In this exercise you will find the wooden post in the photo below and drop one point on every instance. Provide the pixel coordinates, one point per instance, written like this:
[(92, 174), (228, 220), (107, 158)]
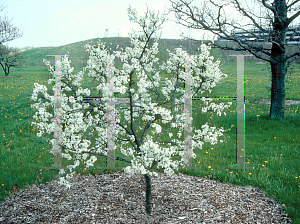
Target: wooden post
[(188, 147), (240, 149), (57, 113), (240, 144), (110, 112)]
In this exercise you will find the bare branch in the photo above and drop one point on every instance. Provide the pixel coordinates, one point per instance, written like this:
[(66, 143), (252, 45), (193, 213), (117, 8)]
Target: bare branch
[(293, 17), (293, 3), (269, 7), (253, 50), (248, 15), (7, 31), (293, 55)]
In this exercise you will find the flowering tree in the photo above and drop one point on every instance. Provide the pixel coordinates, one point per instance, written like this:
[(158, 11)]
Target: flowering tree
[(82, 120)]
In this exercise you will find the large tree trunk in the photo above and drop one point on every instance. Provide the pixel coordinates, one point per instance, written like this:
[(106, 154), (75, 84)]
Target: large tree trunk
[(278, 61), (277, 109), (148, 193)]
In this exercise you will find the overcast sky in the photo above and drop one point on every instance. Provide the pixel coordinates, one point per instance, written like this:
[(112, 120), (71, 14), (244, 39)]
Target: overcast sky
[(60, 22)]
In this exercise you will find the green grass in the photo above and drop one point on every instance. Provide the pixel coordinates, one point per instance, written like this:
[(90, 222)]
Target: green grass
[(272, 146)]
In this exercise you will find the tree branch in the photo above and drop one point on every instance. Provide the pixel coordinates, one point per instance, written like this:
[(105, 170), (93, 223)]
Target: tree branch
[(293, 55), (293, 17), (249, 16), (293, 3), (218, 28), (269, 7)]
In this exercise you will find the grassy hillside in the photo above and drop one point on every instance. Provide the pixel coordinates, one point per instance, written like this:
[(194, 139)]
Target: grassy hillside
[(34, 57)]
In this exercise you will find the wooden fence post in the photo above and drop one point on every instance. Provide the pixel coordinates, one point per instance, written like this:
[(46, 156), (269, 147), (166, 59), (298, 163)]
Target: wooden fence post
[(188, 146), (240, 148), (110, 112), (57, 113)]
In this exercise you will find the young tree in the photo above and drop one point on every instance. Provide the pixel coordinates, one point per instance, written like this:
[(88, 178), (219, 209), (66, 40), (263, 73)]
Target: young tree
[(10, 57), (137, 125), (272, 27)]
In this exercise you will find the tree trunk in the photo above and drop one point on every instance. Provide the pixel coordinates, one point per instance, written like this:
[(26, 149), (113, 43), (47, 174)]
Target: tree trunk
[(6, 70), (148, 194), (278, 60), (277, 109)]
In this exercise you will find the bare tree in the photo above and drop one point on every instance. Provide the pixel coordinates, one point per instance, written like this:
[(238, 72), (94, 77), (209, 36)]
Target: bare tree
[(271, 29), (7, 31), (9, 57)]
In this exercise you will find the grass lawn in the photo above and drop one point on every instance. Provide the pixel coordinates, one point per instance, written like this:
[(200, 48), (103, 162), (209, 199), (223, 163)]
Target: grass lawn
[(272, 146)]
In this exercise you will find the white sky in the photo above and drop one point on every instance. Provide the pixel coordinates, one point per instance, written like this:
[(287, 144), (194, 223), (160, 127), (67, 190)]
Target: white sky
[(60, 22)]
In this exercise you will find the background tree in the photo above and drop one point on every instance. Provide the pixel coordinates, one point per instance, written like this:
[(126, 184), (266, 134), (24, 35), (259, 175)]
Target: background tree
[(10, 57), (7, 31), (272, 23), (106, 32)]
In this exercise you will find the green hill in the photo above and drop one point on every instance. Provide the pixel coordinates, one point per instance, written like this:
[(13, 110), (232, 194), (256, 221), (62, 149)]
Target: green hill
[(79, 56)]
